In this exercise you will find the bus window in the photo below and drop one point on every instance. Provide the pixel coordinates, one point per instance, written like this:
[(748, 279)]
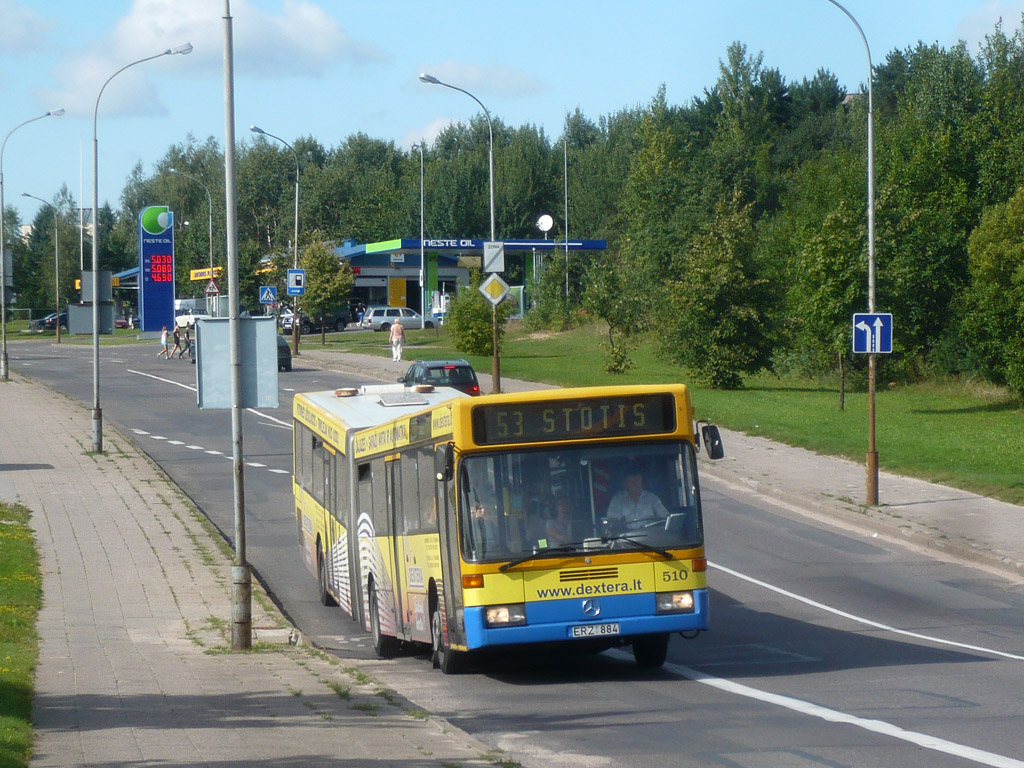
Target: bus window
[(591, 483)]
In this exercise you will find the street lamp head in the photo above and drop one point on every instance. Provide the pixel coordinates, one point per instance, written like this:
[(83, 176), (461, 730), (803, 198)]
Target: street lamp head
[(257, 129), (56, 112), (424, 77), (174, 170), (184, 50)]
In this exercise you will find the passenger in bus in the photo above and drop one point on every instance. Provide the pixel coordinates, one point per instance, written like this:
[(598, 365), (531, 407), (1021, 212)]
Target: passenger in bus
[(633, 507), (559, 527), (485, 531)]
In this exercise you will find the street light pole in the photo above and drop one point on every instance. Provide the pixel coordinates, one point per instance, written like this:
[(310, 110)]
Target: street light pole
[(495, 361), (4, 374), (97, 412), (209, 200), (296, 318), (871, 464), (423, 284), (56, 260)]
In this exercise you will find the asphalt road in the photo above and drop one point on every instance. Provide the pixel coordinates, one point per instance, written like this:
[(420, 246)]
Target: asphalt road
[(827, 648)]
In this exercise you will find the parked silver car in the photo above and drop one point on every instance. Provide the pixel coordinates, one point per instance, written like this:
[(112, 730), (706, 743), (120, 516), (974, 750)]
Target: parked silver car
[(382, 318)]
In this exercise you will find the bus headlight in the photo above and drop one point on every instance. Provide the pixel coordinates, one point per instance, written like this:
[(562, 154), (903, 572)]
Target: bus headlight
[(674, 602), (505, 615)]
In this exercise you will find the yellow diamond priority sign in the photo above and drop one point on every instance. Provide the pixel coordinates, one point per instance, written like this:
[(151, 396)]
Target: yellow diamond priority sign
[(494, 289)]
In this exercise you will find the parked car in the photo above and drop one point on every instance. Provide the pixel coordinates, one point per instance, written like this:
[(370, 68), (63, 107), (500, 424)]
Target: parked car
[(382, 318), (332, 321), (183, 321), (284, 354), (50, 322), (457, 374)]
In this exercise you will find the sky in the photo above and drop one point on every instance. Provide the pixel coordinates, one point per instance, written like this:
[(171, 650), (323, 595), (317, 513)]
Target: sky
[(332, 68)]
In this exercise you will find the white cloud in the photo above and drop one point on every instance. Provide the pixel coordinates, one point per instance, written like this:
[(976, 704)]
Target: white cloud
[(495, 80), (22, 29), (426, 134), (982, 21), (300, 41)]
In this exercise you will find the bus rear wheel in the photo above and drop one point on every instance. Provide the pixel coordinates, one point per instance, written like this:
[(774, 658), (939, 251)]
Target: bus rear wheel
[(321, 577), (443, 657), (650, 650), (384, 646)]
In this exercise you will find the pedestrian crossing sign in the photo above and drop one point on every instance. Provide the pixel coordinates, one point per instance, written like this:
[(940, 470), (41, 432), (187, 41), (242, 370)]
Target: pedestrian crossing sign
[(268, 294)]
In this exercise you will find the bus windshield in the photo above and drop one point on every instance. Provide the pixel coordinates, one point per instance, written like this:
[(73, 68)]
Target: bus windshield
[(570, 499)]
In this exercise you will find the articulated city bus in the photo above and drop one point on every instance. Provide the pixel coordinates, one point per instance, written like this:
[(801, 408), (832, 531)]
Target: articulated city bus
[(566, 516)]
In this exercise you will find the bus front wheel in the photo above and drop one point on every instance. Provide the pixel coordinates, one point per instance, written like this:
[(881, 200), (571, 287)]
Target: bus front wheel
[(650, 650), (383, 645), (443, 657)]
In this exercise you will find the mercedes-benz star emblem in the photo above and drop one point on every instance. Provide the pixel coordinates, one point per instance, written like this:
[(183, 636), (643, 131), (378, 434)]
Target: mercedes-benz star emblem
[(591, 608)]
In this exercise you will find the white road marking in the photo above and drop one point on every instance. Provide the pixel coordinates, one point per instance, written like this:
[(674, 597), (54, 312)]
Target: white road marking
[(140, 432), (175, 442), (834, 716), (254, 464), (253, 411), (861, 619), (216, 453), (195, 447), (158, 437), (280, 471)]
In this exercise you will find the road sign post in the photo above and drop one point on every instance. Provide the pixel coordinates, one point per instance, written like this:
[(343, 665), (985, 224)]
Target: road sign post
[(872, 335), (296, 288)]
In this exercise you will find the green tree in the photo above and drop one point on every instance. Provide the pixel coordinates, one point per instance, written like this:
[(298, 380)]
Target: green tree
[(717, 309), (993, 323), (608, 297), (470, 319), (328, 281)]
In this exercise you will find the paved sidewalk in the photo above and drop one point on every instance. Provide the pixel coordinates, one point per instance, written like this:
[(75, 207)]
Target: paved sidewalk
[(134, 665)]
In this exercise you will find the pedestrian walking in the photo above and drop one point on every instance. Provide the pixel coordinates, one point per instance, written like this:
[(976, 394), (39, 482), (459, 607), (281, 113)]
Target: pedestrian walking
[(397, 340), (164, 348), (187, 349), (177, 343)]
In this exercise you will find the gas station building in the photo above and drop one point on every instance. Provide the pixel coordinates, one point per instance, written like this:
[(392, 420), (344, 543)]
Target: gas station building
[(389, 272)]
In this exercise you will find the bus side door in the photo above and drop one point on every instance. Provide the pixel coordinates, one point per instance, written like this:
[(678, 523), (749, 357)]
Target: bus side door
[(396, 524)]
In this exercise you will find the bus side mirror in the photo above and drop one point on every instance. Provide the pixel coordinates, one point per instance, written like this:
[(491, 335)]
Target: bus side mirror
[(712, 441), (444, 462)]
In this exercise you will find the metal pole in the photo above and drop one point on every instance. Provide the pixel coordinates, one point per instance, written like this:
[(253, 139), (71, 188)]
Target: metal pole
[(495, 361), (871, 463), (209, 200), (4, 373), (296, 318), (97, 412), (565, 176), (423, 283), (296, 322), (241, 576)]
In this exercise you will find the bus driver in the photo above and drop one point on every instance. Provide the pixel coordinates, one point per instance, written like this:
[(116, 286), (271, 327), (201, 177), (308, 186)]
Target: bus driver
[(633, 507)]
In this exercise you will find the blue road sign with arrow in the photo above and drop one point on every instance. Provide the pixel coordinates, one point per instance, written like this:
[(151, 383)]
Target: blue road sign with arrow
[(872, 333)]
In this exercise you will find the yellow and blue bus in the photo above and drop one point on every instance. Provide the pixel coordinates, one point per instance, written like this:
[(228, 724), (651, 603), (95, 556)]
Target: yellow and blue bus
[(555, 516)]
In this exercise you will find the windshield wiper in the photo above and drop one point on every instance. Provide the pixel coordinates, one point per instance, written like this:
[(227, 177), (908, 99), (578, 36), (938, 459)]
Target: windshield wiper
[(641, 544), (572, 547)]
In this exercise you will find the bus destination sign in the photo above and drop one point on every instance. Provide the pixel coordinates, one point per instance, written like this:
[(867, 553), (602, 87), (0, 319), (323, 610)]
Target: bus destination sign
[(622, 416)]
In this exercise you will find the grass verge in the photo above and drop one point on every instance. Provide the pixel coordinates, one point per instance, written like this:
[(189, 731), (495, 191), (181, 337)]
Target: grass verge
[(952, 432), (20, 600)]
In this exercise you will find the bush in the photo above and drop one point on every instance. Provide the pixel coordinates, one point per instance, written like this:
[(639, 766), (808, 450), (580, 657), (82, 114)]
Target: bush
[(470, 320)]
